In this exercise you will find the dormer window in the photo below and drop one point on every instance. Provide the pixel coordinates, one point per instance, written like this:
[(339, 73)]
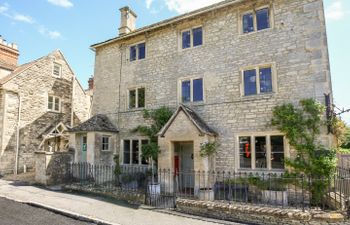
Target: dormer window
[(57, 70), (138, 52)]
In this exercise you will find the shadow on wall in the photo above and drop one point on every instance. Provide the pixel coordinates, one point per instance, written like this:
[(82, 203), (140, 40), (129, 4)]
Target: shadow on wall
[(31, 137)]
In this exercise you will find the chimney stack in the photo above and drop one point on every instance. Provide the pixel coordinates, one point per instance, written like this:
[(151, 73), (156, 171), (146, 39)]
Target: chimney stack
[(91, 83), (8, 55), (127, 21)]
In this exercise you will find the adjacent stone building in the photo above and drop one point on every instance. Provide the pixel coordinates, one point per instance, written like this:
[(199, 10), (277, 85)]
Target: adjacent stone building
[(39, 101), (227, 65)]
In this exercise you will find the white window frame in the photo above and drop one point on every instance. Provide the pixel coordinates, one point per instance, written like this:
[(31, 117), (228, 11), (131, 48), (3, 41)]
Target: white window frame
[(268, 136), (137, 51), (60, 70), (131, 149), (108, 144), (191, 93), (190, 29), (136, 89), (255, 22), (54, 103), (257, 69)]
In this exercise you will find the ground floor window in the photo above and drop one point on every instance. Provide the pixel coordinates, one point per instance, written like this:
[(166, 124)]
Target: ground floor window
[(261, 152), (132, 154), (105, 143)]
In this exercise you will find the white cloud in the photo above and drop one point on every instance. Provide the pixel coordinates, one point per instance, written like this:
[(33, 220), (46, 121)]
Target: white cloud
[(54, 34), (4, 8), (23, 18), (182, 6), (149, 3), (51, 34), (62, 3), (336, 11)]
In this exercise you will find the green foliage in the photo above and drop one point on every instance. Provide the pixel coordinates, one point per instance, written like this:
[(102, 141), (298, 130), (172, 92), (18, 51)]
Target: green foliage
[(271, 183), (346, 139), (117, 169), (302, 126), (157, 119), (209, 148)]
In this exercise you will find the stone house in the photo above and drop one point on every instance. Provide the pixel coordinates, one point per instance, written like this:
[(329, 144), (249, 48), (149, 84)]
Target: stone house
[(222, 69), (39, 101)]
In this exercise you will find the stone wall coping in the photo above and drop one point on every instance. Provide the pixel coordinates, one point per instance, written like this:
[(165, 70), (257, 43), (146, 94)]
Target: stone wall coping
[(52, 153), (289, 213)]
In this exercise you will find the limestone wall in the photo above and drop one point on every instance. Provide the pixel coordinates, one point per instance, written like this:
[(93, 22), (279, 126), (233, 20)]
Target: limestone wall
[(296, 47), (82, 104), (33, 86)]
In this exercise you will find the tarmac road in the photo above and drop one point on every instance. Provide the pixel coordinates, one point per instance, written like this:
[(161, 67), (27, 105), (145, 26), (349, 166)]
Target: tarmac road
[(14, 213)]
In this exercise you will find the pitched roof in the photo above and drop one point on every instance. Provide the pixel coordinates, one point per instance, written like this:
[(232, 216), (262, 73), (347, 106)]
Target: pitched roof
[(20, 69), (193, 117), (98, 122), (169, 21)]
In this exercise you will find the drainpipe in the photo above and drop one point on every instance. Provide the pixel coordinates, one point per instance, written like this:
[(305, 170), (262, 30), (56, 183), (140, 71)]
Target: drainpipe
[(72, 105), (17, 132)]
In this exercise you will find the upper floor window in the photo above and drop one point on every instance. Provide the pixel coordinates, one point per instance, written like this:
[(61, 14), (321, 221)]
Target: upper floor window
[(57, 70), (257, 20), (136, 98), (261, 152), (138, 51), (105, 143), (257, 81), (132, 152), (192, 90), (54, 104), (192, 38)]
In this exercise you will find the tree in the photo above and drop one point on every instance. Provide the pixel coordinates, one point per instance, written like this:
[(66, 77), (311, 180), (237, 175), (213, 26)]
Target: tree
[(157, 119), (301, 125), (346, 138)]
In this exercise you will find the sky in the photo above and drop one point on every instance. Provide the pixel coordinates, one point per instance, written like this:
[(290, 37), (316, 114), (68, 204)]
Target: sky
[(41, 26)]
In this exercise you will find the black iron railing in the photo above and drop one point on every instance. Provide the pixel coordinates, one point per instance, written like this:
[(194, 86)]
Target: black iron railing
[(261, 188)]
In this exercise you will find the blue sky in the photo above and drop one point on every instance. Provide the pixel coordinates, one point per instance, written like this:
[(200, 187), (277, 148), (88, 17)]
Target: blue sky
[(41, 26)]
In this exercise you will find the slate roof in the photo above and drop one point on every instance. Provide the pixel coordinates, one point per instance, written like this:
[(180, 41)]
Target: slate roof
[(99, 123), (170, 21), (193, 117)]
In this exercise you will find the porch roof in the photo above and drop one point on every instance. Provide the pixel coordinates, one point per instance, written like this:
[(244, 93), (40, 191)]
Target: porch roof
[(99, 123), (193, 117)]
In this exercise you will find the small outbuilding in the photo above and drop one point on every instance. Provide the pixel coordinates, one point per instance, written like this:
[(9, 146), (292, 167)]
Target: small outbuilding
[(94, 140)]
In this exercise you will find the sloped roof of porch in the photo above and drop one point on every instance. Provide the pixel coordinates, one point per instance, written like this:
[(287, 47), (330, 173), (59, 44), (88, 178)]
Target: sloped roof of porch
[(99, 123), (197, 121)]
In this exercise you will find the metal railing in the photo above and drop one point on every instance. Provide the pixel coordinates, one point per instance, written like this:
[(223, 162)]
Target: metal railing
[(268, 189)]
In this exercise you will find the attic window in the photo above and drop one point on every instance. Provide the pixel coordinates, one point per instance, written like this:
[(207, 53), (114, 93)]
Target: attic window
[(57, 70)]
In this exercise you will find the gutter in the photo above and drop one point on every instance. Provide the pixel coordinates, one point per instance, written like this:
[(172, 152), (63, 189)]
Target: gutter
[(168, 22)]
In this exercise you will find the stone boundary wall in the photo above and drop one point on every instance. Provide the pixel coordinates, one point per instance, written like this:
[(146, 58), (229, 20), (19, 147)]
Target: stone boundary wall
[(258, 214), (129, 196), (51, 167)]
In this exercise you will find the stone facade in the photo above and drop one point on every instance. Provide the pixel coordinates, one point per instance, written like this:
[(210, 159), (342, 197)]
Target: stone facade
[(295, 46), (26, 121)]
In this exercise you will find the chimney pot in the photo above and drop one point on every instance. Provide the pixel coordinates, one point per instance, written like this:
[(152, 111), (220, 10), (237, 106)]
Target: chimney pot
[(91, 83), (127, 21)]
